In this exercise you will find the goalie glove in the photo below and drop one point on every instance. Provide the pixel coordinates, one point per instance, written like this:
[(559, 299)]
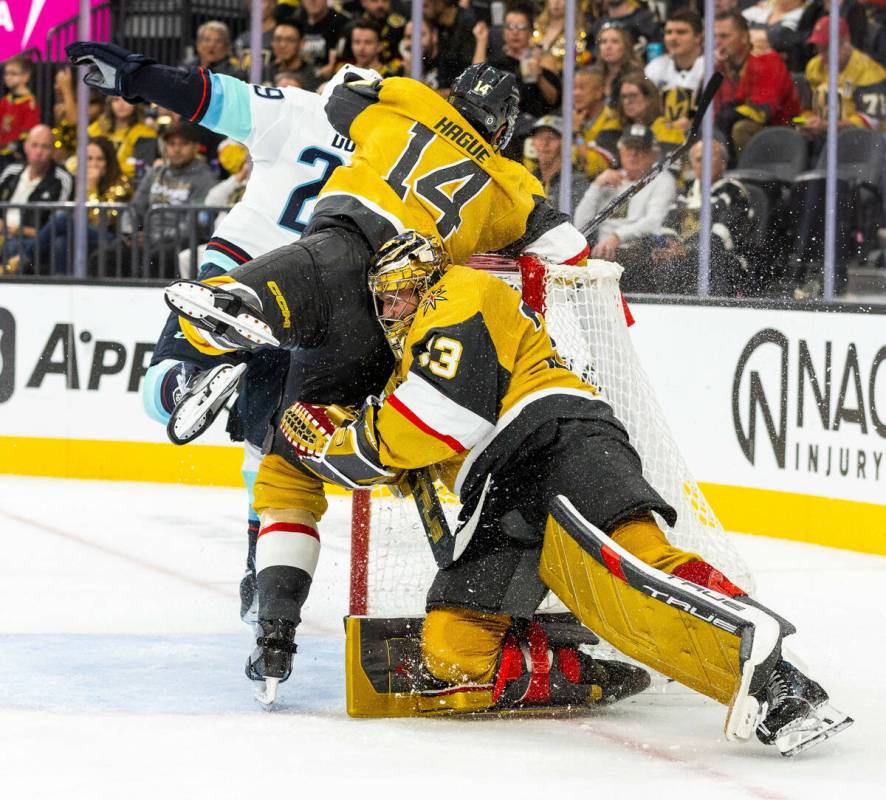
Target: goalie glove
[(109, 66), (336, 446)]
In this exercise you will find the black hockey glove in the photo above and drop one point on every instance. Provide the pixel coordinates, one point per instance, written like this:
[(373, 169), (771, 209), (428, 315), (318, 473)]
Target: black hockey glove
[(109, 66)]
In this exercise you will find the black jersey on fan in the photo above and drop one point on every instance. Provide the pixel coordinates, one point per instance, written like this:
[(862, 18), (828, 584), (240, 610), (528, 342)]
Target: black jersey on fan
[(532, 101), (321, 37)]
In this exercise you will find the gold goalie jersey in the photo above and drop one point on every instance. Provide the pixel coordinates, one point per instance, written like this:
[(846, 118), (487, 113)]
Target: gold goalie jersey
[(479, 374), (418, 164)]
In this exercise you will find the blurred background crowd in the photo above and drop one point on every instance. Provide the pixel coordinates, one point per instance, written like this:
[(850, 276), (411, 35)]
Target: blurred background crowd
[(156, 185)]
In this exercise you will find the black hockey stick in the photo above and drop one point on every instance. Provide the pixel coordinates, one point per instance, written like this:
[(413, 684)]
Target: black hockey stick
[(430, 512), (656, 169)]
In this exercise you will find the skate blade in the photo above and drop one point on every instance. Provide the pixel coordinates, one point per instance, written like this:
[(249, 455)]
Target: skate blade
[(828, 721), (266, 692), (194, 301), (196, 413)]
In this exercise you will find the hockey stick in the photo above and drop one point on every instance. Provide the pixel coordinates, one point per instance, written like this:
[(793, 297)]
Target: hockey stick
[(430, 512), (446, 545), (656, 169)]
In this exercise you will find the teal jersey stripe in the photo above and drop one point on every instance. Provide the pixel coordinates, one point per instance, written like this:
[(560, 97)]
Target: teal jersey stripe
[(229, 109), (218, 259), (151, 386)]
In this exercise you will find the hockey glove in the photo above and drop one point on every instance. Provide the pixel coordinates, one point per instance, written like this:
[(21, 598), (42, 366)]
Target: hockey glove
[(110, 66), (336, 447)]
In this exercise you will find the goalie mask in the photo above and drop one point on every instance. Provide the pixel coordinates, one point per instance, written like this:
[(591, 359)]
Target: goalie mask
[(403, 269)]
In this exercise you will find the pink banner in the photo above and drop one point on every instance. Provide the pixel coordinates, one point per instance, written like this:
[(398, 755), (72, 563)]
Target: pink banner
[(26, 23)]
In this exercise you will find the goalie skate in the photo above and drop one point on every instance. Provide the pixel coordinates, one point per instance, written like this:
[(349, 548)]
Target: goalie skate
[(202, 400), (228, 315), (796, 712)]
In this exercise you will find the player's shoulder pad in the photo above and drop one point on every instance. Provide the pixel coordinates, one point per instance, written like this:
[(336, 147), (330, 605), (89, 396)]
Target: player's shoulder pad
[(348, 101)]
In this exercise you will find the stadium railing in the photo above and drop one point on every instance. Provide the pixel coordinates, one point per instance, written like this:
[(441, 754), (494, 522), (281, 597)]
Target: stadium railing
[(162, 245)]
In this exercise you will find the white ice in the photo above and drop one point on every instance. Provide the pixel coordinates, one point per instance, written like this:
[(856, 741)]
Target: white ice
[(121, 658)]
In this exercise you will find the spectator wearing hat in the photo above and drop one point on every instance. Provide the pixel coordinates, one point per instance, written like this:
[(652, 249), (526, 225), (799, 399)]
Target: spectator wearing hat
[(182, 179), (624, 236), (757, 89), (861, 84), (547, 141), (862, 30)]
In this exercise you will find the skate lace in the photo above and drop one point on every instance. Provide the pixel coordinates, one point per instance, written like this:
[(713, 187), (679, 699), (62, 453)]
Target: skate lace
[(779, 689)]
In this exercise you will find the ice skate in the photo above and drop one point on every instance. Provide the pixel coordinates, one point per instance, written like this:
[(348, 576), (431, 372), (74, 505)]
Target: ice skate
[(229, 316), (203, 397), (537, 672), (796, 713), (616, 679), (271, 662)]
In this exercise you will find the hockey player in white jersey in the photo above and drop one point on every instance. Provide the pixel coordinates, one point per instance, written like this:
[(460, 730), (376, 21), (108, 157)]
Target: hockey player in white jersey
[(294, 150)]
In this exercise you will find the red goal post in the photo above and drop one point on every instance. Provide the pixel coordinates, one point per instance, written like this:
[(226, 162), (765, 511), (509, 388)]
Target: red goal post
[(391, 563)]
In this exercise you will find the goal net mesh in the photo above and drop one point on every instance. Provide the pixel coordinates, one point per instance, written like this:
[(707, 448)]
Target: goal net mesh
[(586, 319)]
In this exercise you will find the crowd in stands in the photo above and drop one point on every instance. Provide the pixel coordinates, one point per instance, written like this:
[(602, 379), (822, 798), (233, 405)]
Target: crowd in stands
[(639, 69)]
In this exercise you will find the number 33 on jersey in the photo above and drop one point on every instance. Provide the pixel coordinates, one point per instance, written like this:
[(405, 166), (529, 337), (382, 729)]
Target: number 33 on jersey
[(474, 353)]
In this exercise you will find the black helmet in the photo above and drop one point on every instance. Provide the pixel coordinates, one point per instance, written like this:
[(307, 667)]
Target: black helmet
[(487, 97)]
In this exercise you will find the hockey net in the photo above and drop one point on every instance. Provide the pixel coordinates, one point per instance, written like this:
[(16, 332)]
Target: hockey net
[(391, 562)]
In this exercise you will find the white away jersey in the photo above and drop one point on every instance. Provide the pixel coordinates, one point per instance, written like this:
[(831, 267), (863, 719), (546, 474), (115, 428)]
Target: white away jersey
[(678, 87), (294, 151)]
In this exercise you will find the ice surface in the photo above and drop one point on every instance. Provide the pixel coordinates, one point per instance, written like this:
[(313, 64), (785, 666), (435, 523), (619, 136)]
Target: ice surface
[(121, 658)]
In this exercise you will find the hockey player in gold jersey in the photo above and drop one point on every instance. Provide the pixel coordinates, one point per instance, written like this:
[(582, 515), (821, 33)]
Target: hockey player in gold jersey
[(480, 394), (419, 163)]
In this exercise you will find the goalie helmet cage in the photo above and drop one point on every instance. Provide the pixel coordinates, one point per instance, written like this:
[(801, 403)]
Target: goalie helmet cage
[(391, 563)]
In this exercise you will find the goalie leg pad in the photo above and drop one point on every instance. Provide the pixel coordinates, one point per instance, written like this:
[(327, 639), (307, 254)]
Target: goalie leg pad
[(714, 644), (385, 676), (541, 666), (645, 540)]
